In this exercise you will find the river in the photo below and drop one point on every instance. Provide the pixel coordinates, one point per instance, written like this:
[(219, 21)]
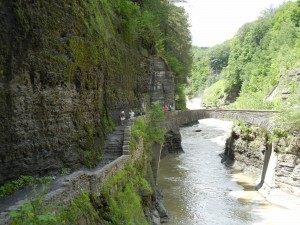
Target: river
[(199, 190)]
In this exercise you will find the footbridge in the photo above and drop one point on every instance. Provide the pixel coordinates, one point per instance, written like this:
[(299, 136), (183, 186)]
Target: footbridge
[(260, 118)]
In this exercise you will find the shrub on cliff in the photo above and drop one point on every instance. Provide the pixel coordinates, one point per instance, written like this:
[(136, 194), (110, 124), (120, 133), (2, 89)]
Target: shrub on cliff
[(148, 128)]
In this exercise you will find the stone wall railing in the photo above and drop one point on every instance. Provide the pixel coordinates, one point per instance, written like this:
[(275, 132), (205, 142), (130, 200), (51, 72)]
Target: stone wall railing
[(126, 142), (259, 118), (84, 181)]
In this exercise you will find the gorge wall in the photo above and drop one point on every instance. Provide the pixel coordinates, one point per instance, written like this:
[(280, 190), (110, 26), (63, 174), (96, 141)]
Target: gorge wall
[(60, 77), (246, 150), (98, 185), (66, 71)]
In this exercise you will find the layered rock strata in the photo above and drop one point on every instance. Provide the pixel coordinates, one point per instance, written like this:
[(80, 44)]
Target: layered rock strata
[(248, 154)]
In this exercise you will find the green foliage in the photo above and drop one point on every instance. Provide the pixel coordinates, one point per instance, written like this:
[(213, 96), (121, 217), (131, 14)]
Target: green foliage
[(250, 133), (218, 57), (251, 102), (289, 118), (80, 209), (215, 94), (180, 97), (125, 204), (175, 45), (277, 134), (126, 207), (130, 19), (90, 158), (254, 60), (120, 203), (28, 215), (149, 27), (207, 67), (255, 144), (65, 171), (91, 152), (265, 49), (245, 129), (148, 128), (199, 73), (10, 187), (296, 15), (35, 212), (175, 64), (154, 17)]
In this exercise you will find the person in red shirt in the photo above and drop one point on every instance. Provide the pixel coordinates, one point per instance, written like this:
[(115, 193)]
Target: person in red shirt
[(166, 109)]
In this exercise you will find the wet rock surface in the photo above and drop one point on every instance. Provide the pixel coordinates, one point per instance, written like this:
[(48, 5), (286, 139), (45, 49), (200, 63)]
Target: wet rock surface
[(172, 144), (248, 156)]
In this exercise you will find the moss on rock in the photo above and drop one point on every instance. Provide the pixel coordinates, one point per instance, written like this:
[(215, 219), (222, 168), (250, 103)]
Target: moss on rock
[(64, 66)]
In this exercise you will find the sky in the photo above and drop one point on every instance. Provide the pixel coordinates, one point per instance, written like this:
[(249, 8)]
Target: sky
[(215, 21)]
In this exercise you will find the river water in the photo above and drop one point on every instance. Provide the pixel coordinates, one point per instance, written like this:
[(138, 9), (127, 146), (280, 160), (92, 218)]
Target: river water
[(199, 190)]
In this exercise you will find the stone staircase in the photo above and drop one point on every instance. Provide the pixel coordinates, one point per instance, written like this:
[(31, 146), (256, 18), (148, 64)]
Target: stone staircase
[(114, 143), (117, 143)]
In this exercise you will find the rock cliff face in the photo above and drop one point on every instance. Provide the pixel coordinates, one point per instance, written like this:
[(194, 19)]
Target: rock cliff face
[(248, 154), (287, 173), (162, 88), (244, 155), (172, 143), (66, 71)]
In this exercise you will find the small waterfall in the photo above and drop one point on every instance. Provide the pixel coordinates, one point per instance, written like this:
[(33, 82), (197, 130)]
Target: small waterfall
[(194, 103)]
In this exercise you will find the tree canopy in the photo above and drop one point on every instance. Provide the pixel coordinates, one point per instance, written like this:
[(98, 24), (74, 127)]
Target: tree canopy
[(165, 27), (252, 63)]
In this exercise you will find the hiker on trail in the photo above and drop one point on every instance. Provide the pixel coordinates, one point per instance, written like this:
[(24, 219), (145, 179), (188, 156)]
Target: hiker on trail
[(166, 108), (131, 114), (122, 117)]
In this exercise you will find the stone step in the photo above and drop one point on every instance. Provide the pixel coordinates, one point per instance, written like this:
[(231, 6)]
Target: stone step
[(126, 142), (111, 155), (116, 137), (110, 158), (115, 142), (118, 132), (114, 148), (114, 145), (114, 156)]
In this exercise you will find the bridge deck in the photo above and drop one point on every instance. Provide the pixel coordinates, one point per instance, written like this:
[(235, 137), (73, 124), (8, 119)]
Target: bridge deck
[(261, 118)]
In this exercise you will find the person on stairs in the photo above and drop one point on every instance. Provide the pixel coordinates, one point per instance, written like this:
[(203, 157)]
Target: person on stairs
[(131, 114), (122, 118)]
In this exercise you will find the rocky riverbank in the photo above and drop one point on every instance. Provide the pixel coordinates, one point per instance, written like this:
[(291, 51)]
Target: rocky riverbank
[(245, 150)]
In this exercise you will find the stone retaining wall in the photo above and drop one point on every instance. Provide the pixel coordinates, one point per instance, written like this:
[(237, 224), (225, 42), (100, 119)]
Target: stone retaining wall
[(82, 181)]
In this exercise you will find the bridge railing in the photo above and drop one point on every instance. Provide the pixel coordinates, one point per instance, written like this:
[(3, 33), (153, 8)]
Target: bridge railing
[(261, 118)]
